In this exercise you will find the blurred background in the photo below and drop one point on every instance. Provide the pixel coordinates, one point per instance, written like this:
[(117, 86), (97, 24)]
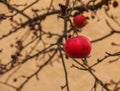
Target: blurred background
[(51, 77)]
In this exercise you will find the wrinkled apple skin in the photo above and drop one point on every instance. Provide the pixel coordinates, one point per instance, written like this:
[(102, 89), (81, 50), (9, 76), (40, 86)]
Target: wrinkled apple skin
[(79, 21), (77, 47)]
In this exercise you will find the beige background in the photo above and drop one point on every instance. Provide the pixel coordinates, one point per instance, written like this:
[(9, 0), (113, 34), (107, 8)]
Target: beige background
[(52, 77)]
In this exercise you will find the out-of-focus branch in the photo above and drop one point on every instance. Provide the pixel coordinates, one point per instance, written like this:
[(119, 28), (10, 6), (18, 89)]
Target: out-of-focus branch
[(37, 71), (65, 70), (50, 49), (91, 72), (106, 36), (113, 31)]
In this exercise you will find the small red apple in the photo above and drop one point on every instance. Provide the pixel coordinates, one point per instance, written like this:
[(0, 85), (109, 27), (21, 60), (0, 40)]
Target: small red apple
[(79, 21), (77, 47)]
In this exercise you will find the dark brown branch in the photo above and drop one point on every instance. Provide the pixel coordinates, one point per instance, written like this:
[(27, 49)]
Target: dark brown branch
[(106, 36), (105, 57), (35, 27), (48, 14), (26, 59), (65, 70), (95, 77), (36, 72), (4, 83), (12, 8)]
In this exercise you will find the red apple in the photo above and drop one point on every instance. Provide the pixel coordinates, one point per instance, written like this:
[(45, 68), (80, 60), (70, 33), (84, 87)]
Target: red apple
[(77, 47), (79, 21)]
